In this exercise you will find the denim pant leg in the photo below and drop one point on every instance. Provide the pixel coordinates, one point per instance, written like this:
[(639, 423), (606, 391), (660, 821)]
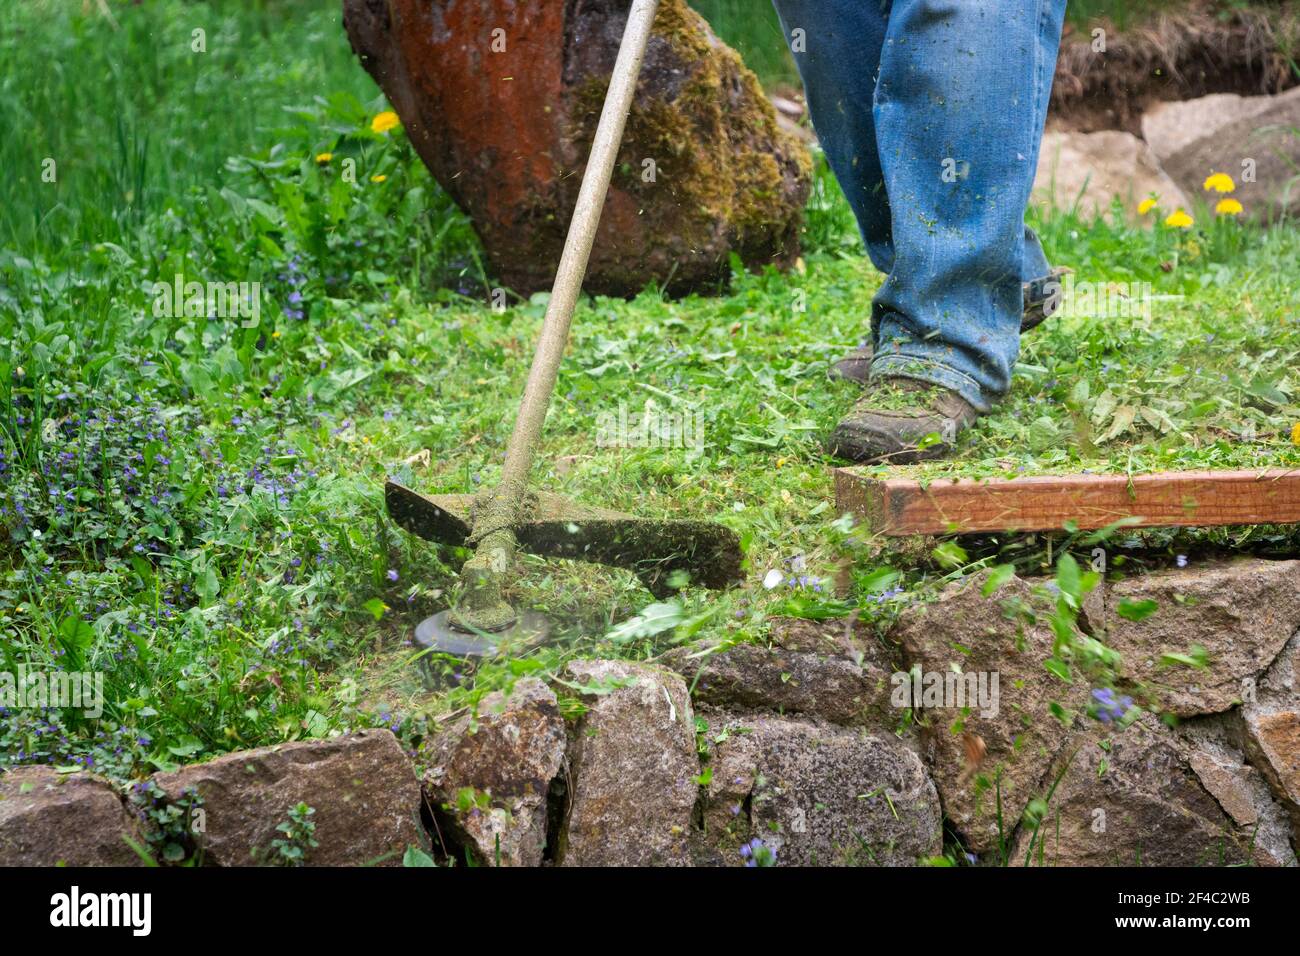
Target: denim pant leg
[(958, 123), (836, 46), (1036, 265)]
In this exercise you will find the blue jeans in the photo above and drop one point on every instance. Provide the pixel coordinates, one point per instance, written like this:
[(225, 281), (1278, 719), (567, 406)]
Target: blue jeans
[(931, 113)]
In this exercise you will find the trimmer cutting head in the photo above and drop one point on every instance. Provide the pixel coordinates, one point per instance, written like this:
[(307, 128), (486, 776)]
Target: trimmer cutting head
[(443, 635), (552, 526)]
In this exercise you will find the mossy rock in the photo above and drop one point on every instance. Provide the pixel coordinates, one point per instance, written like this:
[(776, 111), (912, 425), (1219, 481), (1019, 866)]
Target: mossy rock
[(501, 101)]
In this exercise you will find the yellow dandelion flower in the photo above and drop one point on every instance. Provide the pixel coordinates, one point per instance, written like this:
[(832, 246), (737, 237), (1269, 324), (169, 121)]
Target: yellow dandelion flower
[(324, 158), (1220, 183), (1179, 220), (1295, 434), (385, 121), (1147, 205), (378, 179), (1229, 207)]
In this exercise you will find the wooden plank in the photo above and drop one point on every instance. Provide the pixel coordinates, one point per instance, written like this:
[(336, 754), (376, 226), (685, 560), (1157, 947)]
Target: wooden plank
[(901, 506)]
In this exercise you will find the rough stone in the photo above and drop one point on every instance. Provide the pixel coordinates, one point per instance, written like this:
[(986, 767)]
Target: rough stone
[(362, 786), (1256, 128), (1274, 742), (832, 669), (500, 100), (1133, 797), (1092, 169), (49, 818), (1229, 784), (816, 793), (633, 767), (1171, 126), (1267, 727), (1242, 612), (508, 752), (1217, 757), (733, 769), (978, 635)]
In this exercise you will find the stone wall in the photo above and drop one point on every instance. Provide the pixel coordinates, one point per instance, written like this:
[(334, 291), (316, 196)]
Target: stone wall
[(799, 751)]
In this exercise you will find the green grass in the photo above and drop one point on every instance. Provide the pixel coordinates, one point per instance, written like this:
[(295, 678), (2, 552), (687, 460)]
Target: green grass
[(752, 29), (195, 509)]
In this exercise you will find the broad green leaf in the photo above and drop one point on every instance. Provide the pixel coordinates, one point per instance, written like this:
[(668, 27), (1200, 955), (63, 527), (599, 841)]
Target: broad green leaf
[(998, 577), (414, 856), (1132, 610)]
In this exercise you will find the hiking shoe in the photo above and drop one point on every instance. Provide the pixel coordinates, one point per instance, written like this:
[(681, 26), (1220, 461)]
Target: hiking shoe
[(900, 421), (1042, 299)]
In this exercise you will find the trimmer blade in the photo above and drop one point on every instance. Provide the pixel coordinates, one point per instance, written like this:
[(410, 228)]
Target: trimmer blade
[(554, 526)]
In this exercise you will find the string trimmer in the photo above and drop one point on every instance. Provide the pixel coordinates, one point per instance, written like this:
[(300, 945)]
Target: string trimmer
[(500, 522)]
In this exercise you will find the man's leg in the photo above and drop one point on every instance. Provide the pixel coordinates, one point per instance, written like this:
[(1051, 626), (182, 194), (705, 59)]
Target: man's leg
[(1036, 266), (836, 45), (838, 61), (958, 116)]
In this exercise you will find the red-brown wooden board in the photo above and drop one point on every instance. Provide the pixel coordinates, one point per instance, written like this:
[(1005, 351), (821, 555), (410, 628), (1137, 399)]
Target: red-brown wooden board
[(901, 506)]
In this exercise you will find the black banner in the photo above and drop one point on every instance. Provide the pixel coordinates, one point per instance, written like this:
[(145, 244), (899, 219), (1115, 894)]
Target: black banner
[(144, 905)]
